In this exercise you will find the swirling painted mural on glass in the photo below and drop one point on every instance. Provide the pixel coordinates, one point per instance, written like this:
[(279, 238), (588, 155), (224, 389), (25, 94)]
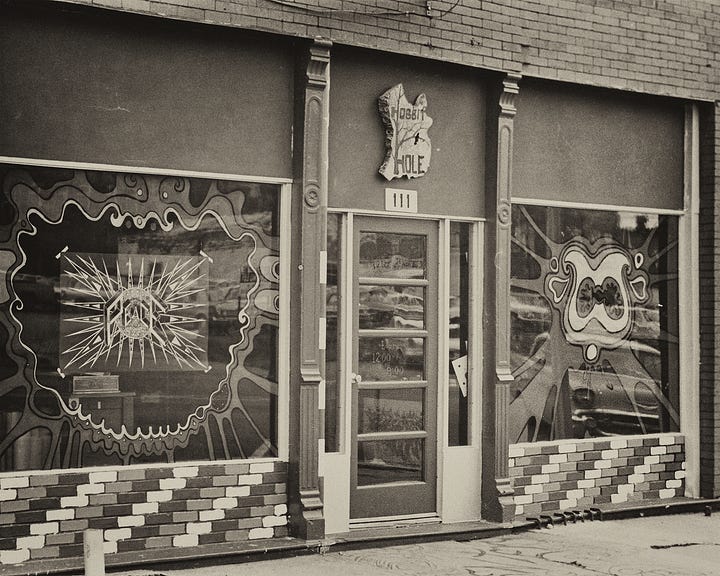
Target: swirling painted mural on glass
[(138, 319), (594, 323)]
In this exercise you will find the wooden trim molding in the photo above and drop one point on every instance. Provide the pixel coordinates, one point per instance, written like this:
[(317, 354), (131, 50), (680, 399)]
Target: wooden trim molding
[(311, 524), (503, 371)]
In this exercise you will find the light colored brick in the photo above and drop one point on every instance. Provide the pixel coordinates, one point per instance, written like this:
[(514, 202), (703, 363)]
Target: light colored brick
[(60, 514), (6, 495), (209, 515), (110, 547), (667, 493), (159, 496), (280, 509), (237, 491), (224, 503), (172, 483), (271, 521), (145, 508), (103, 476), (14, 556), (30, 542), (257, 533), (185, 540), (18, 482), (185, 472), (198, 528), (45, 528), (262, 467), (115, 534), (74, 501), (250, 479), (125, 521), (86, 489)]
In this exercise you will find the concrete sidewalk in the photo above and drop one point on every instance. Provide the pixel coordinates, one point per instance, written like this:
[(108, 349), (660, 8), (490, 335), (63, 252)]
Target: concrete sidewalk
[(684, 545)]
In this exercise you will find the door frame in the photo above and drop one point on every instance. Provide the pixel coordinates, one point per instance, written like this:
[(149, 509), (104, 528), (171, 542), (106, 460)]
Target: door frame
[(458, 496)]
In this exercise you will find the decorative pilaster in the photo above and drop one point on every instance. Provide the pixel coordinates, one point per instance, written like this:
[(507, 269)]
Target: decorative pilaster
[(503, 372), (311, 525)]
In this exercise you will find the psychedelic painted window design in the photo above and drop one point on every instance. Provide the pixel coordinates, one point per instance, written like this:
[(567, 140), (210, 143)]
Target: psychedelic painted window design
[(594, 323), (138, 319)]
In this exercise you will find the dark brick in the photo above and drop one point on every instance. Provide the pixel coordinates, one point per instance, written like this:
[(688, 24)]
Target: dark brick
[(173, 506), (247, 501), (211, 470), (7, 543), (102, 523), (145, 485), (131, 498), (16, 530), (145, 531), (592, 455), (71, 550), (160, 518), (200, 482), (262, 489), (211, 538), (74, 478), (118, 510), (61, 490), (273, 477), (130, 545), (35, 517), (531, 470), (157, 473), (237, 513), (550, 505), (188, 493), (224, 525), (44, 503)]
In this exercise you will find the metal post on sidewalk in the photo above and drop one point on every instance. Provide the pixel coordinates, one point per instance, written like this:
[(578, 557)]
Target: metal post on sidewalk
[(93, 552)]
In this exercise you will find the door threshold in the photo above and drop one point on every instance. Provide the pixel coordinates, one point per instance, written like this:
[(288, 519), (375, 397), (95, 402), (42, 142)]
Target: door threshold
[(394, 521)]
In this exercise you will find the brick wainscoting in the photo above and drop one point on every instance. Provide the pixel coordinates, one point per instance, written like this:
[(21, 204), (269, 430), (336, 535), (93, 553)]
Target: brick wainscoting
[(577, 474), (43, 515)]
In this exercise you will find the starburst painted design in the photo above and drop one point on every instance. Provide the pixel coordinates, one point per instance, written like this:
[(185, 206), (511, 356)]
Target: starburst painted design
[(145, 308)]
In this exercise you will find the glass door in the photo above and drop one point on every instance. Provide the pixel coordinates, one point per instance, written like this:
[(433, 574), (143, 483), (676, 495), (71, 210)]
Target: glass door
[(394, 372)]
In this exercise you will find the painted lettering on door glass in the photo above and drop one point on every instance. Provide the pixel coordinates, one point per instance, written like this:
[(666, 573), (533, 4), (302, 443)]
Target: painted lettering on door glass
[(388, 255), (384, 461), (391, 307), (139, 319), (391, 358), (594, 323)]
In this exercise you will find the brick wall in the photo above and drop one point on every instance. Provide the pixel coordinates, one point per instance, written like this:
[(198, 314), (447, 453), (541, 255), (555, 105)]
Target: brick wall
[(578, 474), (656, 46), (42, 516)]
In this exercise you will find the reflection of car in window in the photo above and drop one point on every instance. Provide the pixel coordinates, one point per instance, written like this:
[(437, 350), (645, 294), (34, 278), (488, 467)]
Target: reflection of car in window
[(605, 401)]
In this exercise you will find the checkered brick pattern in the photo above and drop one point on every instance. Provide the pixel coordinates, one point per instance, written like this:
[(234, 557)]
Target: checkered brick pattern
[(44, 515), (663, 47), (577, 474)]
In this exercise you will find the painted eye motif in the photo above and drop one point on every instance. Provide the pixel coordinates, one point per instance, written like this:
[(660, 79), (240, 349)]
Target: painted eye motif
[(612, 298), (585, 298)]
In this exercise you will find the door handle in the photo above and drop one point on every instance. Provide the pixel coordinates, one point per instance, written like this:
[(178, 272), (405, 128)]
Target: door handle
[(355, 378)]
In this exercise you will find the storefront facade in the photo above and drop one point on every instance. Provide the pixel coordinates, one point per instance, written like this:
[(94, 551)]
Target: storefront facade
[(258, 285)]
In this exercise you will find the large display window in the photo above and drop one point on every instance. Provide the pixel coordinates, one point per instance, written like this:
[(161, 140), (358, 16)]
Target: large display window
[(594, 323), (139, 318)]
